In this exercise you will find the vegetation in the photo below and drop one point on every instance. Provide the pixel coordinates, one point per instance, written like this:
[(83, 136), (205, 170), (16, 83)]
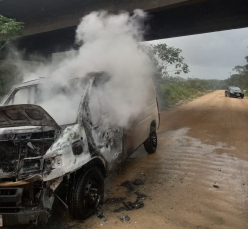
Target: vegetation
[(241, 78), (172, 89), (176, 91), (168, 61), (9, 29)]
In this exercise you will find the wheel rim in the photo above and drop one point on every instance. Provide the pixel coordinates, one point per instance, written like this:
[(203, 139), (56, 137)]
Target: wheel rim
[(153, 138), (91, 195)]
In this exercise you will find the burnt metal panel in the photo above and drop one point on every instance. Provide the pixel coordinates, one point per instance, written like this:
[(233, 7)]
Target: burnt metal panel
[(21, 115)]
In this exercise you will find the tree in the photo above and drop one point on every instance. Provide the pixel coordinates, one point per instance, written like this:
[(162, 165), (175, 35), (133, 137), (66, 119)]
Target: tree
[(240, 79), (242, 70), (169, 64), (9, 29), (168, 60)]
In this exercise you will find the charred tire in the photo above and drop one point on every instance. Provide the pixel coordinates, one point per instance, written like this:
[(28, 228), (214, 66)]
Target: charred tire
[(87, 194), (151, 142)]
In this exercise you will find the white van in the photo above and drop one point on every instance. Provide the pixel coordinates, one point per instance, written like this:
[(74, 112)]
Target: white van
[(38, 155)]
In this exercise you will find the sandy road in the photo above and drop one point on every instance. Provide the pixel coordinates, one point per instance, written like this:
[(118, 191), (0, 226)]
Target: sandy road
[(201, 144)]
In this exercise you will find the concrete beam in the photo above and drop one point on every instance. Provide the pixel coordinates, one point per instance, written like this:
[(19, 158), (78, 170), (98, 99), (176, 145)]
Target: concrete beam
[(179, 19), (49, 16), (203, 17)]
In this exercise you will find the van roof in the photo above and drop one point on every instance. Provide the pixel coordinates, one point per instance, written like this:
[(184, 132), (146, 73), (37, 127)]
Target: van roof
[(46, 79), (32, 82)]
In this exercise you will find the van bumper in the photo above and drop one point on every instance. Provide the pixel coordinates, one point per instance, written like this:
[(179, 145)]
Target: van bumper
[(24, 217)]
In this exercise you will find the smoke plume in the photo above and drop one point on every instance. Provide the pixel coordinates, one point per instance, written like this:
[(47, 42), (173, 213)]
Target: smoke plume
[(108, 43)]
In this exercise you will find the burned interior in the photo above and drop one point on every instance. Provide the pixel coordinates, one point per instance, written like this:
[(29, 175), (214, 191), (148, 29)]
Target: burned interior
[(17, 149)]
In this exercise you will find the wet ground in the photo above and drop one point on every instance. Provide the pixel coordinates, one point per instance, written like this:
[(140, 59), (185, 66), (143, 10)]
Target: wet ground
[(197, 179)]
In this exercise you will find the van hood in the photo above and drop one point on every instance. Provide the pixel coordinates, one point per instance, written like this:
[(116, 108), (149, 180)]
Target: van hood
[(25, 115)]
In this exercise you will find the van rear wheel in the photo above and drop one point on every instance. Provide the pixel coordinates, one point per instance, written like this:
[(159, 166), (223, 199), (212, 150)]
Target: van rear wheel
[(87, 194), (151, 142)]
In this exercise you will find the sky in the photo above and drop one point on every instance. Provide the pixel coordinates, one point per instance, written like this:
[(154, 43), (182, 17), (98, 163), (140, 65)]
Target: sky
[(212, 55)]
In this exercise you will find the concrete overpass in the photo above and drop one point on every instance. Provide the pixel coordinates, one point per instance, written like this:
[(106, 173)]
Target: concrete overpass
[(50, 24)]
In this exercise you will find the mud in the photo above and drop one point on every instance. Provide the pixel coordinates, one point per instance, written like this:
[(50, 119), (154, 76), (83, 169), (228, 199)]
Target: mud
[(128, 205), (137, 182), (115, 200), (133, 205), (125, 218), (130, 185), (140, 196), (100, 215), (121, 209)]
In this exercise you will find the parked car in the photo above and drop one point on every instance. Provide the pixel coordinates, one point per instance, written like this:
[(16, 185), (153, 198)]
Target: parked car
[(38, 156), (232, 91)]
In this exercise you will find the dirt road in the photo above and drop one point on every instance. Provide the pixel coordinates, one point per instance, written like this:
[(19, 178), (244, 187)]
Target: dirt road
[(198, 178)]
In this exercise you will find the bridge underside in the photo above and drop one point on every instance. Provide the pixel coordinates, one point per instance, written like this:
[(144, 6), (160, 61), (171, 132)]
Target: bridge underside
[(180, 20)]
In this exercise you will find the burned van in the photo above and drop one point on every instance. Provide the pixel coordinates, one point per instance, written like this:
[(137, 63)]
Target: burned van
[(39, 153)]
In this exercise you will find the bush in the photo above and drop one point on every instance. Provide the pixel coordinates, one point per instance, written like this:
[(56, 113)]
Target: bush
[(174, 91)]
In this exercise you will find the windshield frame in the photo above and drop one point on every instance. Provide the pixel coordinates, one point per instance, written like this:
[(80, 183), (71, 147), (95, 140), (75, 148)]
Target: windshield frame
[(13, 92)]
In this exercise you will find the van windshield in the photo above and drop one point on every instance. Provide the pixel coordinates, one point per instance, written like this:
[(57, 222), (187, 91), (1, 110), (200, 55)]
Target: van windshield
[(61, 100)]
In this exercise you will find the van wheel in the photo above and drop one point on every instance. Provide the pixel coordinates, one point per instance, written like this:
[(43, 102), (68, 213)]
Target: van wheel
[(151, 142), (87, 194)]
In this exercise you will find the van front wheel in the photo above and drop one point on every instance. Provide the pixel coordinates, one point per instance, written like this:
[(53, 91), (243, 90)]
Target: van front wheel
[(87, 194), (151, 142)]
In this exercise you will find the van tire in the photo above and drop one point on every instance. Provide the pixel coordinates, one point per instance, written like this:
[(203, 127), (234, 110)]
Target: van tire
[(87, 193), (151, 142)]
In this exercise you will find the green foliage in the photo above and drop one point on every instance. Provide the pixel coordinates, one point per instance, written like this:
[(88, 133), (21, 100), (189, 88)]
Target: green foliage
[(215, 84), (240, 79), (168, 60), (9, 29), (171, 89), (180, 90)]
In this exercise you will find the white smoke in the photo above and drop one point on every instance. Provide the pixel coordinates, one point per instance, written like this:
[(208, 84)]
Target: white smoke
[(108, 43)]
